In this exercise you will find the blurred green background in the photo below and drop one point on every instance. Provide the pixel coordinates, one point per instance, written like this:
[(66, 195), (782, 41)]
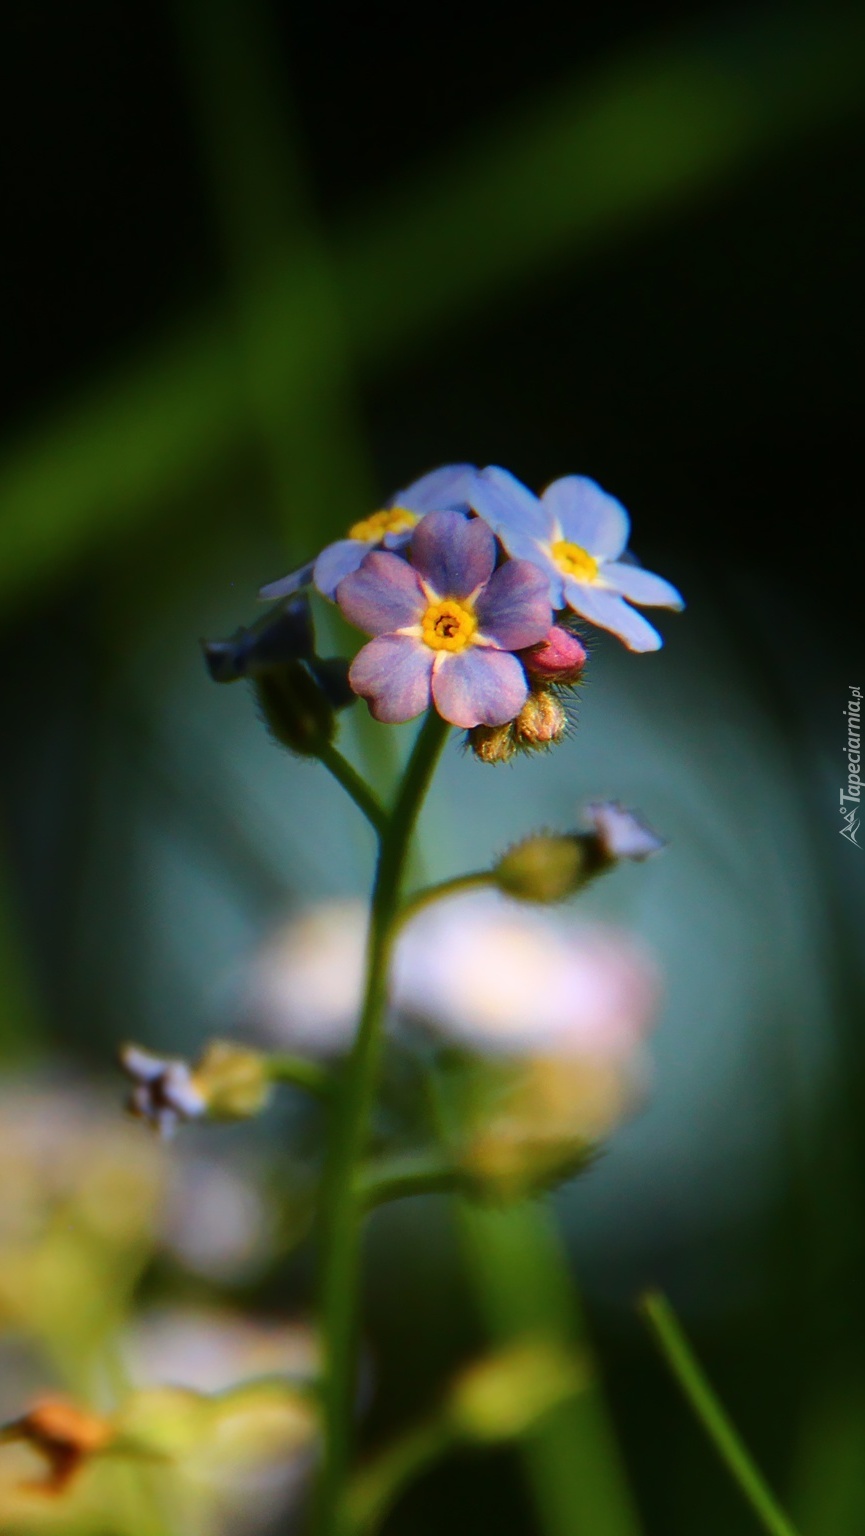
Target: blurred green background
[(269, 264)]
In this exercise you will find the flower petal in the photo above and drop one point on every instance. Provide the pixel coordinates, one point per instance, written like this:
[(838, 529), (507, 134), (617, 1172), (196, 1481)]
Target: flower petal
[(455, 554), (478, 687), (393, 674), (641, 586), (622, 833), (287, 584), (384, 594), (441, 490), (588, 516), (336, 561), (610, 611), (514, 608), (509, 506)]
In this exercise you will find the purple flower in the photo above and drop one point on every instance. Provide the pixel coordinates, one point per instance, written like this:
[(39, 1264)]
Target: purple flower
[(446, 622), (577, 534), (445, 489)]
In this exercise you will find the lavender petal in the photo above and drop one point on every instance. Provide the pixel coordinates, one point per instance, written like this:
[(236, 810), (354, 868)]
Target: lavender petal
[(383, 595), (514, 608), (478, 687), (448, 488), (393, 674), (453, 553)]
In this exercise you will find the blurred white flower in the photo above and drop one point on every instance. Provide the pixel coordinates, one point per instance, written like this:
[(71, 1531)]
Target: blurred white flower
[(497, 977), (212, 1349), (216, 1219), (306, 982), (481, 970)]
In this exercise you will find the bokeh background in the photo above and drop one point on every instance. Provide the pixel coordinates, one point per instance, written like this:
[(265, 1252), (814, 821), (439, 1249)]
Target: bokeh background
[(269, 263)]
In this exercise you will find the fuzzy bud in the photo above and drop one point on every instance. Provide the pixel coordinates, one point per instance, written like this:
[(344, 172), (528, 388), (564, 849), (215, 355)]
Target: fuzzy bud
[(543, 868), (541, 722), (296, 708), (233, 1081), (493, 743), (560, 658), (503, 1397), (285, 634), (228, 1082)]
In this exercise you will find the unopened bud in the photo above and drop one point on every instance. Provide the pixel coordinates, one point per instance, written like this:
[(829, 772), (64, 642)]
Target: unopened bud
[(543, 868), (502, 1398), (296, 708), (285, 634), (541, 722), (232, 1081), (493, 743), (559, 658), (228, 1082)]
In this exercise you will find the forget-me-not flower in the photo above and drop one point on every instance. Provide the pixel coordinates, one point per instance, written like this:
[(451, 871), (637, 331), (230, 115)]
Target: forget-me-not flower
[(577, 534), (447, 488), (446, 623)]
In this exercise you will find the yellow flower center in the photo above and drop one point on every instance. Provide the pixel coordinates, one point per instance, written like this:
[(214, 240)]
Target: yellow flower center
[(371, 529), (574, 560), (448, 625)]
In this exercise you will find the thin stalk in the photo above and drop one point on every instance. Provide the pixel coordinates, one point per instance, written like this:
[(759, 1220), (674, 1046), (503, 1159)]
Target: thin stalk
[(396, 1178), (351, 781), (377, 1487), (689, 1374), (300, 1073), (353, 1104), (432, 893)]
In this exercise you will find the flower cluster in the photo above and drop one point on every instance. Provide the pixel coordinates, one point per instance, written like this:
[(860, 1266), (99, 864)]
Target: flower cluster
[(470, 586)]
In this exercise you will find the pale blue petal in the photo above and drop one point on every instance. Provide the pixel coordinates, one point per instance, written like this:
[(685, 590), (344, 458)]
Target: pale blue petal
[(393, 674), (587, 516), (622, 833), (509, 506), (514, 608), (288, 584), (442, 490), (478, 687), (610, 611), (641, 586), (383, 595), (336, 561), (453, 553), (398, 540)]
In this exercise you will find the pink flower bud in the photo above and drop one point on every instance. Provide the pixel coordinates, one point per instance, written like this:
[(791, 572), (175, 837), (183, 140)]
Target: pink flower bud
[(559, 658)]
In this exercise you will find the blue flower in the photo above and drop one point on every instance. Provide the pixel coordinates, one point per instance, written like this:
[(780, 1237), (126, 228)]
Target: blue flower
[(577, 535), (445, 489), (445, 623)]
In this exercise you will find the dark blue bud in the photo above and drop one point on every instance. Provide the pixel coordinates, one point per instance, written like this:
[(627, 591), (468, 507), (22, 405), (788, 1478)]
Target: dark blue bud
[(284, 634), (331, 674)]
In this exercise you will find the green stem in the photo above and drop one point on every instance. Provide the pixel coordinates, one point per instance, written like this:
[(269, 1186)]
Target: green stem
[(353, 1103), (308, 1075), (396, 1178), (431, 893), (354, 785), (688, 1373), (379, 1485)]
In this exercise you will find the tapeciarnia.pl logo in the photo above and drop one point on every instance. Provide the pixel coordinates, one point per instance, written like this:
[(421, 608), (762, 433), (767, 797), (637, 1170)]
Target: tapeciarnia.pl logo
[(850, 817)]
